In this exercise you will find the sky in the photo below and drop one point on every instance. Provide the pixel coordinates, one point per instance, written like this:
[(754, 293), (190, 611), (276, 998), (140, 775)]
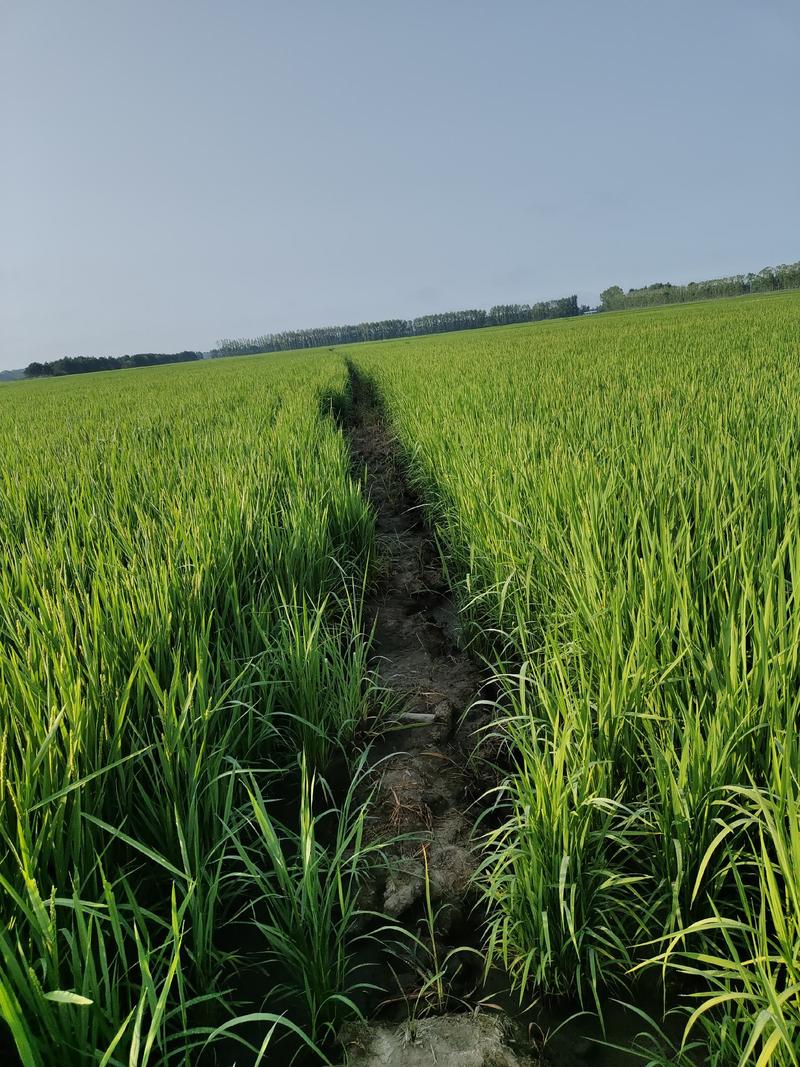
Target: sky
[(172, 173)]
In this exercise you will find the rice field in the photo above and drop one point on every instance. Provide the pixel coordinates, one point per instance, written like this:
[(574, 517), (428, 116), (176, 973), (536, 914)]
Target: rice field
[(184, 670), (617, 504), (181, 558)]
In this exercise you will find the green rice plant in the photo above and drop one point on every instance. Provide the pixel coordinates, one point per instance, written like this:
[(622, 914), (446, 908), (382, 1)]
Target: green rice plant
[(121, 988), (303, 890), (150, 524), (318, 669), (746, 951), (617, 501), (566, 903)]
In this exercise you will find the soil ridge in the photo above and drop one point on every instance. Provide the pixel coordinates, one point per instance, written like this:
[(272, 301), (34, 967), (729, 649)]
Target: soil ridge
[(425, 788), (425, 782)]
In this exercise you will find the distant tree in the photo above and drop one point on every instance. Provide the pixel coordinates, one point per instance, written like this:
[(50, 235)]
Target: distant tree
[(786, 276), (87, 364), (386, 329), (506, 314), (612, 298), (763, 282), (36, 370), (565, 307)]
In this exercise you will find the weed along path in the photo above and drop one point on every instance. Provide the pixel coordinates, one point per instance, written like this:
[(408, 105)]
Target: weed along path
[(423, 787)]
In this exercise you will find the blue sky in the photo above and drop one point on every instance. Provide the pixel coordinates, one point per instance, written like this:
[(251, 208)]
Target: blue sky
[(173, 173)]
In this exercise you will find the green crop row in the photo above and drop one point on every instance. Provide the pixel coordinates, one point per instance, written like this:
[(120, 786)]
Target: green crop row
[(182, 555), (618, 504)]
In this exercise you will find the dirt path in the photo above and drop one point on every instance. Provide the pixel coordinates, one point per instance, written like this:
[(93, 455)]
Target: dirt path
[(425, 784), (423, 789)]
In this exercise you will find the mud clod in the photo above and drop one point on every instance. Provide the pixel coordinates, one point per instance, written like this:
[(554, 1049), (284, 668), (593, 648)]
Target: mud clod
[(446, 1041)]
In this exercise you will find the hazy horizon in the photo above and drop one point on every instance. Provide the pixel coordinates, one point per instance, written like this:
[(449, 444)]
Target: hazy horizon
[(174, 175)]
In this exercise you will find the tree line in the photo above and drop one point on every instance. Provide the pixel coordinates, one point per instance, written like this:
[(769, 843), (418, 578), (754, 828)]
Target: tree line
[(770, 279), (388, 329), (785, 276), (86, 364)]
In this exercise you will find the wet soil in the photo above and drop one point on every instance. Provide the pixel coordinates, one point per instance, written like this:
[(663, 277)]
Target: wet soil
[(448, 1041), (423, 790)]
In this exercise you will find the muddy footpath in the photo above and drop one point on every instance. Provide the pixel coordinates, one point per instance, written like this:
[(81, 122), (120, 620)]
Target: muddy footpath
[(430, 781)]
